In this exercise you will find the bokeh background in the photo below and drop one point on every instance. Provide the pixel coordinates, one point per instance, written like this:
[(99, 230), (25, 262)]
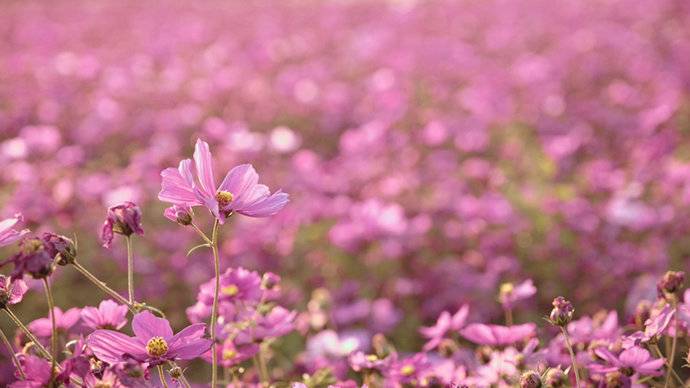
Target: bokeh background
[(432, 149)]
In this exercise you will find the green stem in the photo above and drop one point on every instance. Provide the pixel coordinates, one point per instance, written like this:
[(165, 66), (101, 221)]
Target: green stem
[(671, 370), (672, 356), (130, 270), (28, 333), (13, 356), (214, 310), (53, 323), (572, 356), (161, 374), (104, 287)]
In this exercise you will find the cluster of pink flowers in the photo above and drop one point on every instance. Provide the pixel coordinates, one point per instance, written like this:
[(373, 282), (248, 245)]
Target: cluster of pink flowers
[(452, 167)]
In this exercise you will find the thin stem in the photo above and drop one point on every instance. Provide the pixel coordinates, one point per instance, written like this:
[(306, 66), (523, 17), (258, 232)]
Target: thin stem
[(130, 270), (260, 369), (13, 356), (509, 316), (182, 377), (202, 234), (572, 356), (53, 324), (161, 374), (673, 372), (265, 378), (214, 310), (28, 333), (104, 287), (672, 356)]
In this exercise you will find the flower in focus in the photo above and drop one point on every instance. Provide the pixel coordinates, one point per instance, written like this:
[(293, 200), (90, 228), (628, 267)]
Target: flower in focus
[(494, 335), (108, 315), (444, 324), (153, 342), (124, 219), (510, 294), (63, 320), (11, 291), (8, 234), (239, 192)]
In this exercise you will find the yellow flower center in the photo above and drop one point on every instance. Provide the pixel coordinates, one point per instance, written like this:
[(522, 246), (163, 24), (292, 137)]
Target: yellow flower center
[(230, 290), (224, 198), (156, 347), (229, 354), (407, 370), (372, 357), (507, 288), (101, 384)]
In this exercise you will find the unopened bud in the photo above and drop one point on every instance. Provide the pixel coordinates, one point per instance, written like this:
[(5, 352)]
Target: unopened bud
[(555, 378), (562, 312), (671, 285), (175, 372)]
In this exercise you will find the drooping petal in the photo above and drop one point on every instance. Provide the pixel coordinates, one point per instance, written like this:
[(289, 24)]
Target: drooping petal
[(190, 349), (110, 346), (204, 167), (266, 207), (146, 325)]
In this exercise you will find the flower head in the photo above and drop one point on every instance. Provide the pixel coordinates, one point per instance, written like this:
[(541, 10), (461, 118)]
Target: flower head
[(153, 342), (530, 379), (60, 247), (34, 257), (630, 361), (239, 192), (444, 324), (108, 315), (670, 285), (64, 321), (509, 294), (8, 234), (11, 291), (124, 219)]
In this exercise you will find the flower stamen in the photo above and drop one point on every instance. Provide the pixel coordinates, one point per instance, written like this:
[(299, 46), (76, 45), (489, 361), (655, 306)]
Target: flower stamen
[(156, 347)]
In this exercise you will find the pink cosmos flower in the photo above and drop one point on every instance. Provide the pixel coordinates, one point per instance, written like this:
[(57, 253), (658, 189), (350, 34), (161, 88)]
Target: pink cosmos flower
[(11, 291), (64, 321), (124, 219), (108, 315), (511, 294), (498, 335), (239, 192), (153, 342), (8, 234), (635, 359), (444, 324)]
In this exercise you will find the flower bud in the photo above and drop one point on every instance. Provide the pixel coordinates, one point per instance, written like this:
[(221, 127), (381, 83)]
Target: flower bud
[(530, 379), (60, 247), (179, 214), (382, 348), (615, 380), (671, 285), (124, 219), (555, 378), (562, 312), (643, 312), (270, 281)]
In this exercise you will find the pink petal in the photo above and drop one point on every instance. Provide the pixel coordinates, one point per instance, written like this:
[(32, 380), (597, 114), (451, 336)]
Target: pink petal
[(110, 346), (204, 167), (146, 325)]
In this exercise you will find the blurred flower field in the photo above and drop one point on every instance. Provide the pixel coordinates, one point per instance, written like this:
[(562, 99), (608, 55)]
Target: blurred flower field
[(426, 178)]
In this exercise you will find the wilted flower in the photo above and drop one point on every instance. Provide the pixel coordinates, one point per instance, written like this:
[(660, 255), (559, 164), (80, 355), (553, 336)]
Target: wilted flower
[(124, 219), (60, 247), (34, 258), (239, 192), (11, 291), (108, 315), (153, 342), (562, 312), (670, 285), (8, 234)]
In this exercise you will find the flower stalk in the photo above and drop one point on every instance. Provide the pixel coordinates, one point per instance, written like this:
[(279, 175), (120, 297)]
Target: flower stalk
[(41, 349), (214, 309), (572, 355), (130, 270), (53, 324), (13, 356)]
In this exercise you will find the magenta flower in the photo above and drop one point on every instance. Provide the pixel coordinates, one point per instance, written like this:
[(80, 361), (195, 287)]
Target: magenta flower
[(153, 342), (64, 322), (498, 335), (11, 291), (236, 284), (511, 294), (632, 360), (239, 192), (35, 258), (444, 324), (108, 315), (8, 234), (36, 370), (124, 219)]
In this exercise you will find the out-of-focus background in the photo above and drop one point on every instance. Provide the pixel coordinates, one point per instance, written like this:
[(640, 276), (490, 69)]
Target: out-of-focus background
[(432, 149)]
